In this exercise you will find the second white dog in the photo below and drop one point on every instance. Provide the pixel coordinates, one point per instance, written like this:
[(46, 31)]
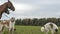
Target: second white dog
[(50, 26)]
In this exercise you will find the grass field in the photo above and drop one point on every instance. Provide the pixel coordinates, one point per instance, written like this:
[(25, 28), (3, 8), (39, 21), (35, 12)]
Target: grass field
[(28, 30)]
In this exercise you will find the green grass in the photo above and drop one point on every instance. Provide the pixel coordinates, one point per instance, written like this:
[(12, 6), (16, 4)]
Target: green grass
[(28, 30)]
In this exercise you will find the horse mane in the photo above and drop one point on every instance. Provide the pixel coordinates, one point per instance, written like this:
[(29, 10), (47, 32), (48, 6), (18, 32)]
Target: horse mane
[(3, 4), (3, 10)]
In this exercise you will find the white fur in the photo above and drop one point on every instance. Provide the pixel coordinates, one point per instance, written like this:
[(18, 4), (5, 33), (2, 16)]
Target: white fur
[(1, 28), (42, 29), (47, 28), (11, 26)]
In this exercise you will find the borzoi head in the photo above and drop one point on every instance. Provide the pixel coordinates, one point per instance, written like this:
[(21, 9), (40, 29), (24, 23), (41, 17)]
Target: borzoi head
[(42, 29), (12, 19)]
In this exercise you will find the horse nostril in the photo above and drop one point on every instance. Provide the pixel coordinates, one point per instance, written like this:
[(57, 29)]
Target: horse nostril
[(14, 9)]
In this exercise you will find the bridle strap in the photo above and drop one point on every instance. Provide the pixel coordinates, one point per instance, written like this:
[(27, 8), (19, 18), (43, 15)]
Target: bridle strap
[(7, 16)]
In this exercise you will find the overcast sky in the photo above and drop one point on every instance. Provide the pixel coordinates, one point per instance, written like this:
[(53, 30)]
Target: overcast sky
[(34, 9)]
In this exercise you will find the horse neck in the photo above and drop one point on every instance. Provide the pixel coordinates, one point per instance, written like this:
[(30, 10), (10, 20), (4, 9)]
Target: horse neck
[(3, 8)]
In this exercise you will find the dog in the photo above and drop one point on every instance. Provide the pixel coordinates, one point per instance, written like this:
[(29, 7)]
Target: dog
[(50, 26), (10, 24)]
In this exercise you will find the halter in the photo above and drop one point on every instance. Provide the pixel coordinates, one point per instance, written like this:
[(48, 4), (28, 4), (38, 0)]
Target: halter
[(7, 16)]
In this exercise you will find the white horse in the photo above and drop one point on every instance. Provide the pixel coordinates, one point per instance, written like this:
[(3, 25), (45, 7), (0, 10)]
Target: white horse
[(50, 26), (10, 24)]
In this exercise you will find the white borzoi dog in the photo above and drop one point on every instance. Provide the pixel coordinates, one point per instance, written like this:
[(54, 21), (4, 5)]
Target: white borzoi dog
[(50, 26), (8, 24)]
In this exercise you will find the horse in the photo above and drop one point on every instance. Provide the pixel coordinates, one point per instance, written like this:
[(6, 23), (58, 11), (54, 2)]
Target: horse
[(10, 24), (50, 26), (4, 8)]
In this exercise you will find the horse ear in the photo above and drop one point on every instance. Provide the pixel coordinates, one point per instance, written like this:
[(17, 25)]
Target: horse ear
[(8, 0)]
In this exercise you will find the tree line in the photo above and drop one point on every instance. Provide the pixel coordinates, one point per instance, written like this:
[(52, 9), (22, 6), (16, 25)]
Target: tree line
[(37, 22)]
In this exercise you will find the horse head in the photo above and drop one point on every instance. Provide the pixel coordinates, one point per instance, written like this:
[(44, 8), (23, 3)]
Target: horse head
[(4, 8), (10, 5)]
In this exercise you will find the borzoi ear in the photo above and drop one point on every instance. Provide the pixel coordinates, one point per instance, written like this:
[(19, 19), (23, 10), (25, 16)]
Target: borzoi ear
[(51, 25)]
